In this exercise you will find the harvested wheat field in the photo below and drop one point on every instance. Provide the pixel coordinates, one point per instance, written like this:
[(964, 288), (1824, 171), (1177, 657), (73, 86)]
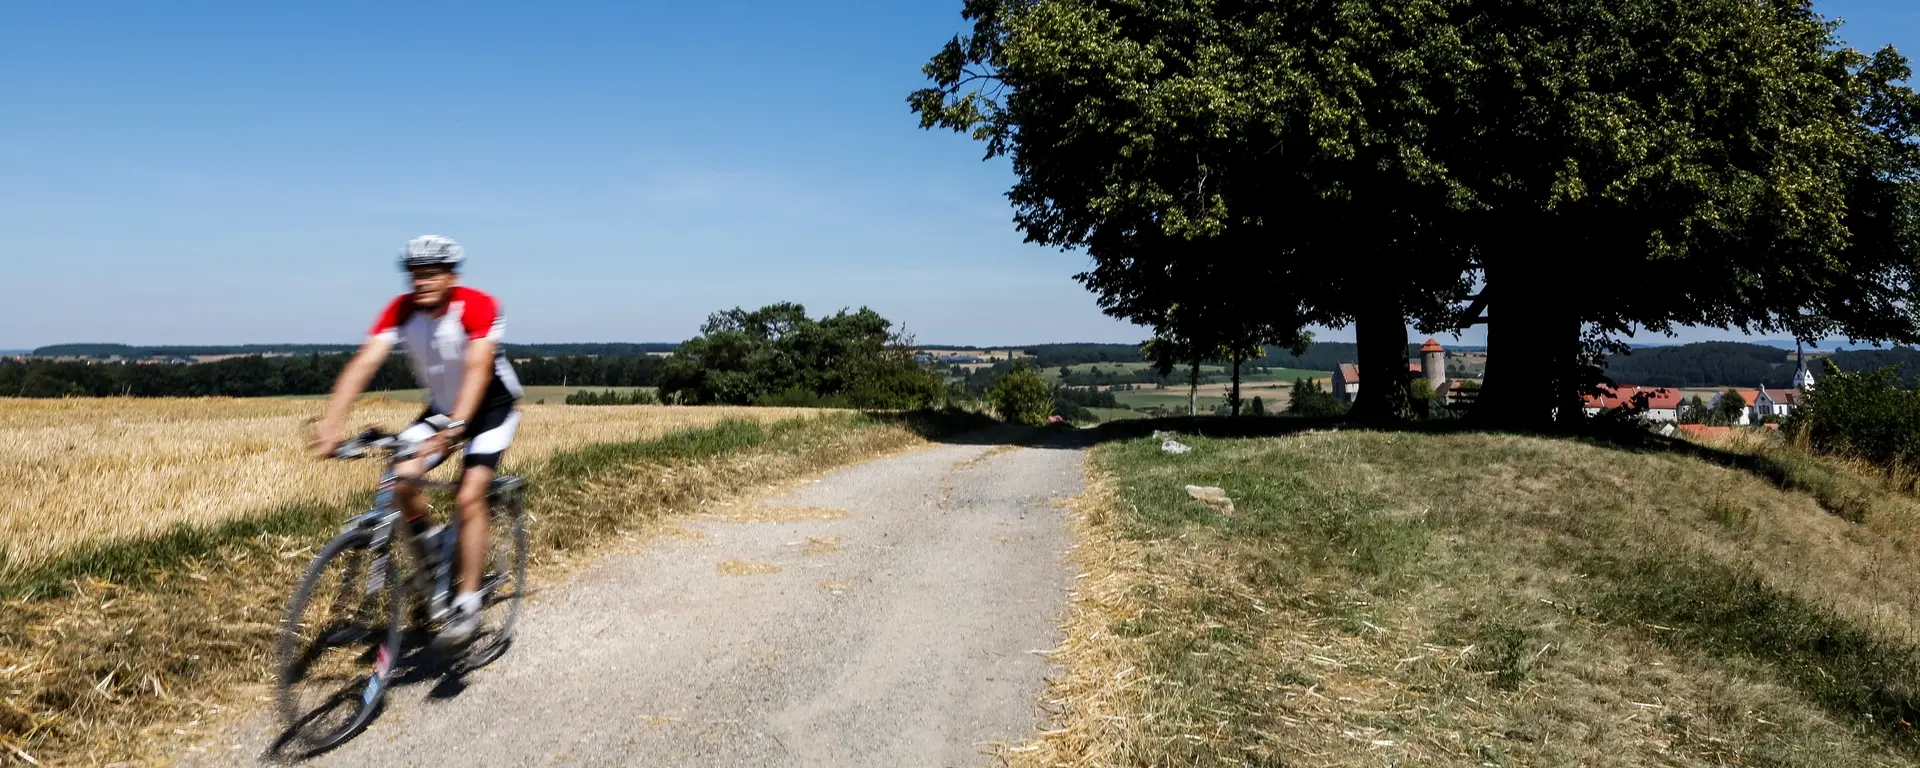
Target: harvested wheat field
[(115, 645), (86, 469)]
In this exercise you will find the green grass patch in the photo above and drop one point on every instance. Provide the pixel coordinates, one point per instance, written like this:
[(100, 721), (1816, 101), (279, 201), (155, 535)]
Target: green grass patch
[(1461, 598), (137, 562), (1169, 398)]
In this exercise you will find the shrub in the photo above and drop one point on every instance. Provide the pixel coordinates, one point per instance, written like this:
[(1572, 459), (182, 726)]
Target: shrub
[(1074, 412), (891, 381), (767, 355), (801, 398), (1022, 397), (1863, 415)]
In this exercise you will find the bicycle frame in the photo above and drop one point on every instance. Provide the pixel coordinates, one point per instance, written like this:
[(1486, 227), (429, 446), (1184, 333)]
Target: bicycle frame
[(379, 523)]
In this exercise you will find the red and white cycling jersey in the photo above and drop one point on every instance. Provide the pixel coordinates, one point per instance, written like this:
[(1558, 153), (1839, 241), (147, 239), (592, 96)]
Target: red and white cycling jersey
[(437, 346)]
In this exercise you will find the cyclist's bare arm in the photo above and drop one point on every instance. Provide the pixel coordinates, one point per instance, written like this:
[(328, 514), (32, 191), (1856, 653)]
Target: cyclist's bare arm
[(353, 381)]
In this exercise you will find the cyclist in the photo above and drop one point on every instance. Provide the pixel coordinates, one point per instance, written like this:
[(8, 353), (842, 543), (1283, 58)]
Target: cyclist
[(452, 338)]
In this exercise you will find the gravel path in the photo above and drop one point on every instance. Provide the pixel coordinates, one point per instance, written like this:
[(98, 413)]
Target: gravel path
[(901, 628)]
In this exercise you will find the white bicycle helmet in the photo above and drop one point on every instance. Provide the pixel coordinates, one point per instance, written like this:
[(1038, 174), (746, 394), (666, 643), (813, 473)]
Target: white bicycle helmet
[(427, 250)]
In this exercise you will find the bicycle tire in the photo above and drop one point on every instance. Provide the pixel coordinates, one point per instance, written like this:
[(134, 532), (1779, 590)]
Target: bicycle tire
[(506, 580), (375, 628)]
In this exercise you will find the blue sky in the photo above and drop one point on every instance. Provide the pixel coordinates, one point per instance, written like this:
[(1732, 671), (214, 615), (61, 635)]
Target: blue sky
[(197, 172)]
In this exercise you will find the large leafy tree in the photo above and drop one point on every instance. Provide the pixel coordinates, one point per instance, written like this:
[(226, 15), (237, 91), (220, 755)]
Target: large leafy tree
[(1605, 167), (1639, 164), (1260, 156)]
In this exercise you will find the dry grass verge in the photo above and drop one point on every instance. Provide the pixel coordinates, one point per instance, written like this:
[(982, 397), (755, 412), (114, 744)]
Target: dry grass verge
[(100, 671), (1475, 599)]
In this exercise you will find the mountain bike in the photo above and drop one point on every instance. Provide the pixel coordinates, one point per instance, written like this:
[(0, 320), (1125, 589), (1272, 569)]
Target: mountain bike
[(348, 618)]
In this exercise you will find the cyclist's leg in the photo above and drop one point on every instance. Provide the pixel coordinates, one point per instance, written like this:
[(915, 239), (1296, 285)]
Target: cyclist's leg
[(474, 519), (493, 432)]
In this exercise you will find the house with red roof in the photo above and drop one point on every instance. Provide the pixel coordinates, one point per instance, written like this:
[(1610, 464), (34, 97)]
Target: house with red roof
[(1748, 397), (1662, 404), (1346, 382)]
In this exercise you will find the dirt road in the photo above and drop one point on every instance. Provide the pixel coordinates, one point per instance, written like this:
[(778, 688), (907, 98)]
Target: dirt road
[(889, 614)]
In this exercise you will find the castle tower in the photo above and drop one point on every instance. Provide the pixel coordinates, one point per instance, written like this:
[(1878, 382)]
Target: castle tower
[(1433, 362), (1802, 378)]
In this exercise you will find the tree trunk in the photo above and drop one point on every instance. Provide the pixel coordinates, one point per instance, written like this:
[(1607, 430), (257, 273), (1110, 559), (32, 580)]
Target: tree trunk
[(1233, 400), (1380, 327), (1193, 390), (1532, 377)]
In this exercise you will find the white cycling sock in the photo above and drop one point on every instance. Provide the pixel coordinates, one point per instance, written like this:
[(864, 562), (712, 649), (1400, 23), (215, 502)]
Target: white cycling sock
[(468, 602)]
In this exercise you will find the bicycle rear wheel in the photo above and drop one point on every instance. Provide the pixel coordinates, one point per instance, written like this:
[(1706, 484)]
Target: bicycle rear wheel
[(504, 581), (338, 643)]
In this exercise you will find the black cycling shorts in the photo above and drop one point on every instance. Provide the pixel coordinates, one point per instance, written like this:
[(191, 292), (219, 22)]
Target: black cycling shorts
[(488, 435)]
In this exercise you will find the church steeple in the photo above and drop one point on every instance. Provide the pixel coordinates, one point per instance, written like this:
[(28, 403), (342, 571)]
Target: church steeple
[(1802, 378)]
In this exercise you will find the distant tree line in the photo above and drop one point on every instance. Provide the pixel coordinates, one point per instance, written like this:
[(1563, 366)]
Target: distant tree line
[(614, 371), (258, 376), (610, 397), (1902, 363), (1706, 364), (1728, 363), (251, 376), (1319, 356)]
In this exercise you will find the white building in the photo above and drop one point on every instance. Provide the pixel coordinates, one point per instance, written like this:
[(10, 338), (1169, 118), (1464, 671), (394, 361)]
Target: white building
[(1762, 402), (1661, 404)]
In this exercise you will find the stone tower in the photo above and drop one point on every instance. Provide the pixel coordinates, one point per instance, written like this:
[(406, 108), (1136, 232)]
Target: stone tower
[(1433, 362)]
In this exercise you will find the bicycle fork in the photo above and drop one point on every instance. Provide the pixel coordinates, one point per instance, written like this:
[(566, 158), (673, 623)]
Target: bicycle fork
[(379, 575)]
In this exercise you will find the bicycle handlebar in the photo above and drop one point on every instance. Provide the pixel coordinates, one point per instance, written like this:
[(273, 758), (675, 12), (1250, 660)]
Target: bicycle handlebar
[(366, 442), (373, 439)]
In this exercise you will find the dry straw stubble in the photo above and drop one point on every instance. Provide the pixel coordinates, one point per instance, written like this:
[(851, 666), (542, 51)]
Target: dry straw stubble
[(83, 470), (105, 672)]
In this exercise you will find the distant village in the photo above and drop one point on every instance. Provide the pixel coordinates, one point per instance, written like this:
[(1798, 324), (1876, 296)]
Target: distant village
[(1660, 405)]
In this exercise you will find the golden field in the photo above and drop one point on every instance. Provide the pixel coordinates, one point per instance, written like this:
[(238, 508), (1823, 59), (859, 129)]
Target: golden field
[(132, 655), (85, 469)]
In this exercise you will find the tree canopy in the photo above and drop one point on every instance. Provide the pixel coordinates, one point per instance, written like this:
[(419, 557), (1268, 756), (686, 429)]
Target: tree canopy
[(1240, 158), (1598, 167), (779, 355)]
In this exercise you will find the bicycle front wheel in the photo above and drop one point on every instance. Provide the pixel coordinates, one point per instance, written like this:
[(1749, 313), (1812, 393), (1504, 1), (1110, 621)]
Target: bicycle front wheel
[(339, 643)]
